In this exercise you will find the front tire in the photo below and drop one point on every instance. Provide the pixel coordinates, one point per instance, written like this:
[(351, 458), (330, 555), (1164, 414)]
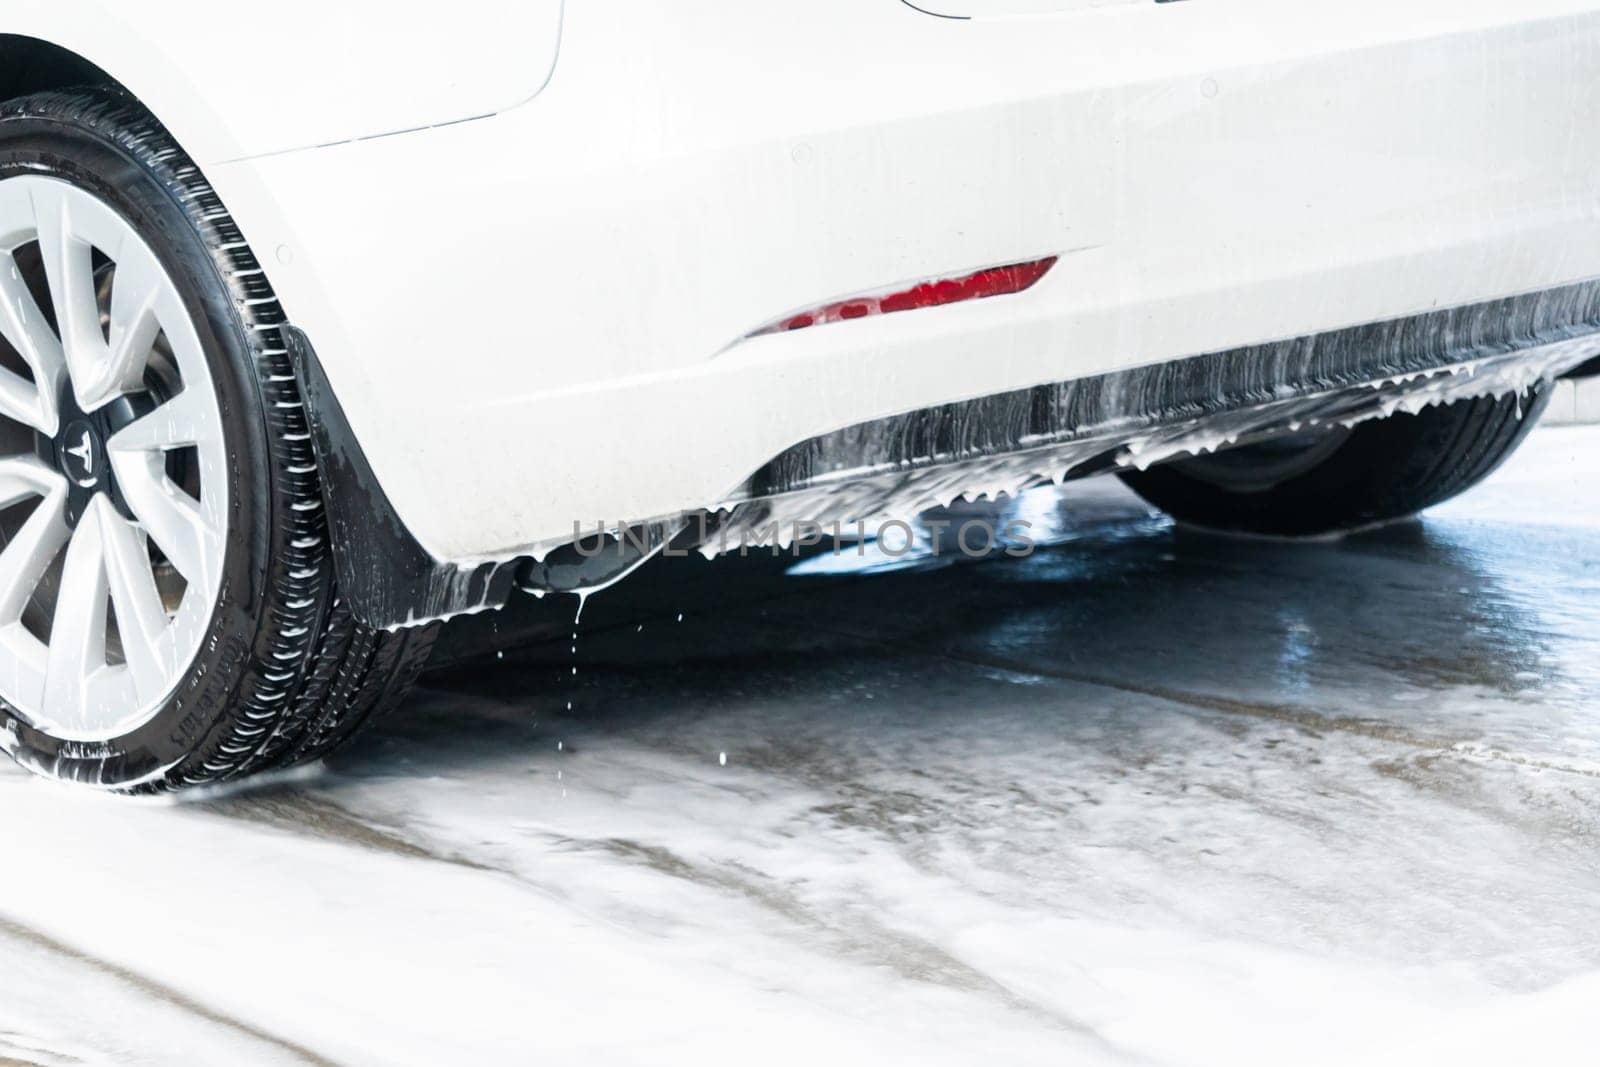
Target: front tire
[(1336, 480), (208, 478)]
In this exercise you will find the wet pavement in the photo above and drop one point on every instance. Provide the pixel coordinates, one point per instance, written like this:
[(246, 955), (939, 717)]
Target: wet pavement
[(1146, 796)]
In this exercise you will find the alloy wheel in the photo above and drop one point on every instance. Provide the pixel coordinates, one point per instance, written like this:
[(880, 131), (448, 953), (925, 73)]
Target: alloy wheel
[(113, 496)]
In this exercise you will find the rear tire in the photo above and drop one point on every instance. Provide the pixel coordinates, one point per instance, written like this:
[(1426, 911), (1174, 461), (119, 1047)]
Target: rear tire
[(284, 673), (1341, 480)]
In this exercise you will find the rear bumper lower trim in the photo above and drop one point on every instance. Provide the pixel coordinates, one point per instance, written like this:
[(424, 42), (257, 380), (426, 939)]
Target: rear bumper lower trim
[(1005, 442), (1008, 441)]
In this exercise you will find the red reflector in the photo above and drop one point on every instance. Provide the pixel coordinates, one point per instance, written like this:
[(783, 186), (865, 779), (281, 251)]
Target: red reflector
[(996, 281)]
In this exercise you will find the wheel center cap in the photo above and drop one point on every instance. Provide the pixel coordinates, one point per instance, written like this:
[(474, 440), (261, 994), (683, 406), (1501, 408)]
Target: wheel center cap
[(82, 454)]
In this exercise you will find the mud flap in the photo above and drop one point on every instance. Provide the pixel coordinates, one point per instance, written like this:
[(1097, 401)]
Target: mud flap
[(386, 577)]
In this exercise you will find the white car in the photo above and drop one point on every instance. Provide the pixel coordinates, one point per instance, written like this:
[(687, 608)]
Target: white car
[(324, 322)]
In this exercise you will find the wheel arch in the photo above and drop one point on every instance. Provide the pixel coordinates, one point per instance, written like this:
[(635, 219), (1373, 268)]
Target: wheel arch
[(409, 585), (38, 55), (294, 75), (31, 65)]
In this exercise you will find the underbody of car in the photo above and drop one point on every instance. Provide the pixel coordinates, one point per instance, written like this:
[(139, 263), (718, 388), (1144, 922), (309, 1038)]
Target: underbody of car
[(717, 269)]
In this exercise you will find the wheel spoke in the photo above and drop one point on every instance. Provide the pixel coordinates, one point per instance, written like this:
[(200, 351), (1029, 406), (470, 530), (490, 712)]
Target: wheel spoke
[(141, 618), (69, 269), (25, 327), (78, 631), (21, 400), (25, 476), (29, 554), (171, 517), (136, 287), (181, 421)]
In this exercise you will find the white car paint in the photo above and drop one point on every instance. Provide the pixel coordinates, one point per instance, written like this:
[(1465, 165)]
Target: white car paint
[(533, 319)]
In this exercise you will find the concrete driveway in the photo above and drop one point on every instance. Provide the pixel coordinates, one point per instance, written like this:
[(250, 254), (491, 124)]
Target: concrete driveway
[(1144, 797)]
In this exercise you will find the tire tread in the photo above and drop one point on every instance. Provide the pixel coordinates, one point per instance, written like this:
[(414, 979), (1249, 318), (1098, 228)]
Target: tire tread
[(1388, 469)]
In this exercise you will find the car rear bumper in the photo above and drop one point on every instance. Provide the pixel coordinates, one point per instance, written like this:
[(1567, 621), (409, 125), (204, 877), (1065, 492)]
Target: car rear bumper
[(534, 319), (903, 464)]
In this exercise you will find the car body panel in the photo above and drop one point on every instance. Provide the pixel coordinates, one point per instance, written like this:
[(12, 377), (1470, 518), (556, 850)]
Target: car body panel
[(540, 318), (968, 9), (300, 73)]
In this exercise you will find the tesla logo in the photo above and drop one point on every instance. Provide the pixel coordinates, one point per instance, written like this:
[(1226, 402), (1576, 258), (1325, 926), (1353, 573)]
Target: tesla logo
[(80, 455), (85, 454)]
